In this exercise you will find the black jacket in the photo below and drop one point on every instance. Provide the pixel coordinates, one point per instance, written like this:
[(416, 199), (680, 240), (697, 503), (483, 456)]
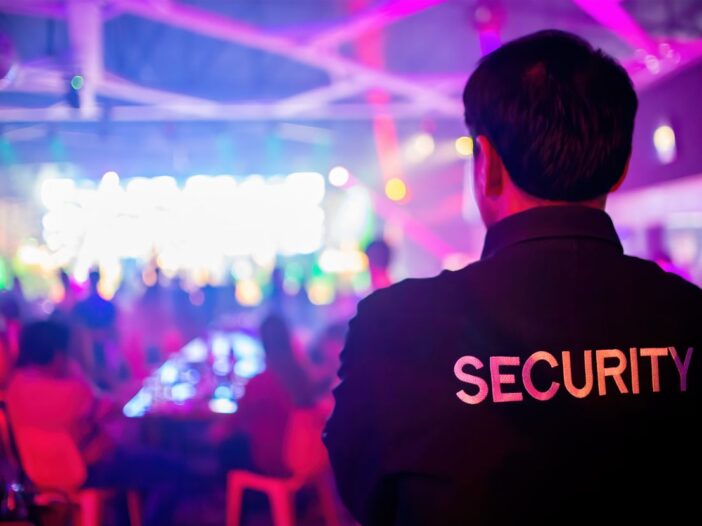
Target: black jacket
[(555, 381)]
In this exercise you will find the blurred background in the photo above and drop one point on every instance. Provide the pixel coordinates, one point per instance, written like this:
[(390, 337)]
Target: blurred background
[(175, 173)]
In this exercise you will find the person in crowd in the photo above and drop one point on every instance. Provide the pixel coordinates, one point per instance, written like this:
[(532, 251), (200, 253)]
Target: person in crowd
[(64, 308), (155, 324), (295, 307), (94, 311), (49, 391), (95, 330), (323, 358), (254, 438), (379, 255), (185, 315), (10, 327), (554, 381)]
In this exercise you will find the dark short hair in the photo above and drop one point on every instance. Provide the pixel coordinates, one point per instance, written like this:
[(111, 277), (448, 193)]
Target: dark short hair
[(559, 113), (40, 341)]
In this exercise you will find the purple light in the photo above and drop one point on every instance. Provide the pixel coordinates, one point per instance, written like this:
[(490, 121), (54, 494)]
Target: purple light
[(613, 16)]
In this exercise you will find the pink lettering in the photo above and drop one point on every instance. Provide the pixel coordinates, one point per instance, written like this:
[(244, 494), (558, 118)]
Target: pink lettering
[(615, 372), (499, 379), (583, 391), (682, 366), (470, 379), (634, 361), (529, 384), (654, 353)]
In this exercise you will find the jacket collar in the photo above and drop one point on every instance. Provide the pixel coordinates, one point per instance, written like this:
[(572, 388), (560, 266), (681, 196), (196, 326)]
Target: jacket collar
[(572, 221)]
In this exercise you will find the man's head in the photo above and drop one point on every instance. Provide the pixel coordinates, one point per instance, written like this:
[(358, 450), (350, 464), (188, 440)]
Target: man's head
[(43, 343), (94, 279), (379, 255), (552, 119)]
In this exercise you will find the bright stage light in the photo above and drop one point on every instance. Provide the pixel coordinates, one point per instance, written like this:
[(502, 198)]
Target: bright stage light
[(139, 405), (320, 292), (338, 176), (110, 178), (343, 261), (464, 146), (168, 373), (222, 406), (180, 393), (56, 192), (665, 144), (419, 147), (305, 187), (248, 293), (200, 227), (396, 189)]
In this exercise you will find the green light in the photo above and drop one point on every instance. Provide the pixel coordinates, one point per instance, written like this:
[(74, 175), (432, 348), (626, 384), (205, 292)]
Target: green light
[(77, 82), (4, 275)]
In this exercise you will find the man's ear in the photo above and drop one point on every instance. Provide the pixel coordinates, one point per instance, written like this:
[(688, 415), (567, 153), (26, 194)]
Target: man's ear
[(623, 176), (494, 169)]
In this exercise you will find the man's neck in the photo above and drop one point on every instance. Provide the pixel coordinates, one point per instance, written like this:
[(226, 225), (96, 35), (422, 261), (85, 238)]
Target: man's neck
[(516, 200)]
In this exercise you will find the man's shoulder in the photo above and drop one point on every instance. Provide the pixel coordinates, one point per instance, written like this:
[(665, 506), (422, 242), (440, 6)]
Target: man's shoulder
[(416, 295), (652, 275)]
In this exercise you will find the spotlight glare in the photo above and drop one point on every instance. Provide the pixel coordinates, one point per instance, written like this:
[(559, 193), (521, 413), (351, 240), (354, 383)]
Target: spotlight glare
[(420, 147), (248, 293), (77, 82), (464, 146), (110, 178), (338, 176), (665, 144), (396, 189)]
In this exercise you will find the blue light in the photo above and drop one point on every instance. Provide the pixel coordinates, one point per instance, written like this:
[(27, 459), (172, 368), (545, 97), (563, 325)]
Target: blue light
[(222, 406), (223, 391), (195, 351), (138, 405), (168, 373), (222, 367), (248, 368), (182, 392)]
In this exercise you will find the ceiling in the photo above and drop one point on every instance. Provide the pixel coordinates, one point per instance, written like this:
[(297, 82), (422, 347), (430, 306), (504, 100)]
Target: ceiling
[(227, 60), (267, 86)]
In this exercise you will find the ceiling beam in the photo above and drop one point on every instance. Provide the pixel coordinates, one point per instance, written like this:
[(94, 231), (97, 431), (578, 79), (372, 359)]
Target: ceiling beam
[(372, 19), (114, 87), (648, 71), (314, 98), (218, 112), (38, 8), (611, 15), (84, 20), (214, 26)]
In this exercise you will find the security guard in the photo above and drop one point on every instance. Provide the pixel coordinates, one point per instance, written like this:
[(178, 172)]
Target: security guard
[(556, 380)]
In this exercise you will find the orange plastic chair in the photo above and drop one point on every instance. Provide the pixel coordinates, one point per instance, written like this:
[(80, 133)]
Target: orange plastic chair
[(54, 465), (306, 459)]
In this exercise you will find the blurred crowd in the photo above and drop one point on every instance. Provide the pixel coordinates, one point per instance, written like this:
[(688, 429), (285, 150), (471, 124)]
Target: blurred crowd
[(71, 370)]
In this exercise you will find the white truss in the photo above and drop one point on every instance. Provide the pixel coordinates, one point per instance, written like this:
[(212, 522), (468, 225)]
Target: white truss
[(417, 98)]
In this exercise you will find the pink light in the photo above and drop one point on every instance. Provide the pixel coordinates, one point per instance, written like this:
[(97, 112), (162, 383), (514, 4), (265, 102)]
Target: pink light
[(370, 53), (489, 19), (372, 20), (613, 16), (415, 229), (489, 41), (386, 143)]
